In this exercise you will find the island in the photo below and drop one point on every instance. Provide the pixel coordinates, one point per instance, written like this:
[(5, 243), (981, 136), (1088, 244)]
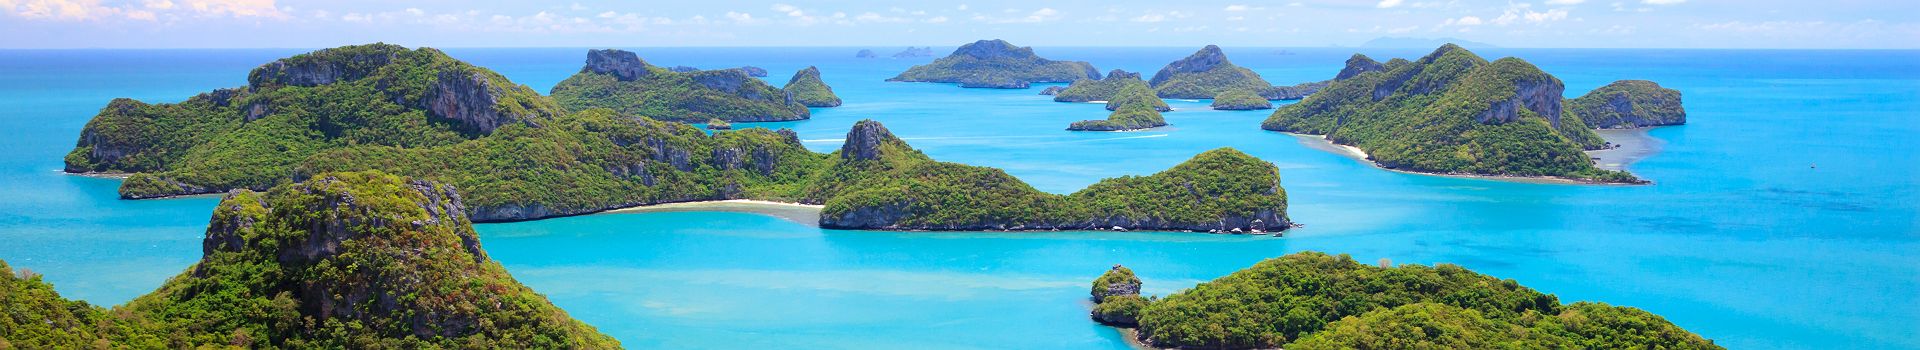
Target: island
[(878, 182), (1052, 90), (343, 260), (1312, 300), (1101, 89), (716, 124), (522, 158), (1629, 104), (621, 81), (1240, 100), (1204, 74), (1454, 113), (752, 71), (809, 90), (997, 64), (914, 52), (1132, 116)]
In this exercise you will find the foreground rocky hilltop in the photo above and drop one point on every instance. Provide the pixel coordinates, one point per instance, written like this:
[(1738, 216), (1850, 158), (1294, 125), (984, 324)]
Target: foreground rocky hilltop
[(621, 81), (997, 64), (1452, 112), (1311, 300), (878, 182), (346, 260)]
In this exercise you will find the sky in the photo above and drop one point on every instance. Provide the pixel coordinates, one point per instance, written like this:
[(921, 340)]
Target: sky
[(1839, 24)]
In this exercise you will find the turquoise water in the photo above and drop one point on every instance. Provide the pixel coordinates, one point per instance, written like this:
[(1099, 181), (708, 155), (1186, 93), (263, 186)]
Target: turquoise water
[(1784, 214)]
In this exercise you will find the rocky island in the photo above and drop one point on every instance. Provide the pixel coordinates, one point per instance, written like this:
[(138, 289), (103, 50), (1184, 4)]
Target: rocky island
[(621, 81), (346, 260), (997, 64), (1452, 112), (1102, 89), (1204, 74), (1628, 104), (865, 53), (1312, 300), (807, 89), (914, 52), (522, 158), (1132, 116), (878, 182)]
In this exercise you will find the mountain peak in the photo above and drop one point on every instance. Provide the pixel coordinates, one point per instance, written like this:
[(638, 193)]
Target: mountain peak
[(621, 64)]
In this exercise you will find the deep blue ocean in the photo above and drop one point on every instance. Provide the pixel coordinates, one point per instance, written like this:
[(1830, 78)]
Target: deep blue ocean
[(1783, 215)]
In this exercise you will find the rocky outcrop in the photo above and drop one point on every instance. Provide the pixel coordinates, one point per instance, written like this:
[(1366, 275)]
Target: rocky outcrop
[(621, 64), (1201, 61), (1629, 104), (866, 141), (1204, 74), (865, 53), (1051, 90), (1539, 93), (807, 89), (471, 100), (1119, 281), (325, 66), (1359, 64)]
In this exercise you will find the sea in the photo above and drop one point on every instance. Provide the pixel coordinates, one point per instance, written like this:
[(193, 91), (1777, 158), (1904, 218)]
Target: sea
[(1782, 216)]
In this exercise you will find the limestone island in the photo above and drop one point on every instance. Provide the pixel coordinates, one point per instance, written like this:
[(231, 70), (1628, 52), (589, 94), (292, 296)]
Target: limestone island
[(716, 124), (997, 64), (914, 52), (1454, 113), (1208, 72), (621, 81), (518, 156), (1134, 108), (865, 53), (346, 260), (1052, 90), (1312, 301), (807, 89)]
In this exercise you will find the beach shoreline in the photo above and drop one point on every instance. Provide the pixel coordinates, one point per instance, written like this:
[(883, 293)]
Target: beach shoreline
[(808, 214), (1320, 142), (1630, 146)]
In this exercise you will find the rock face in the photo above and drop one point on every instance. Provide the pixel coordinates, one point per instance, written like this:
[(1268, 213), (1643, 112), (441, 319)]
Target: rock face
[(1051, 90), (807, 89), (621, 64), (1629, 104), (865, 53), (1120, 281), (325, 66), (1206, 59), (1359, 64), (997, 64), (866, 141), (472, 100)]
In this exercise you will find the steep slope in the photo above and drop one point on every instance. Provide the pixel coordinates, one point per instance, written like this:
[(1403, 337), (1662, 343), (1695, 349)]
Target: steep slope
[(1103, 89), (807, 89), (37, 317), (878, 182), (997, 64), (1450, 112), (252, 136), (1204, 74), (1311, 300), (345, 260), (1240, 100), (621, 81)]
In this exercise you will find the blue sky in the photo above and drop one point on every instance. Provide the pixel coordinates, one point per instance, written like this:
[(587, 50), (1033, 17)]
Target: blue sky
[(1301, 23)]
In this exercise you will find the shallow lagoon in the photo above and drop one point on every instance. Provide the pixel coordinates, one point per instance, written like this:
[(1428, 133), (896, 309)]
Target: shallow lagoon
[(1783, 215)]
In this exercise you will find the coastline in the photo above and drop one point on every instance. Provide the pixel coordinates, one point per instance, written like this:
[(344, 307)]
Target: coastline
[(1320, 142), (1631, 145), (799, 213)]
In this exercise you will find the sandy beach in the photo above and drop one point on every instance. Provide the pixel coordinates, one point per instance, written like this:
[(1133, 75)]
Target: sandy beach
[(796, 212), (1632, 145)]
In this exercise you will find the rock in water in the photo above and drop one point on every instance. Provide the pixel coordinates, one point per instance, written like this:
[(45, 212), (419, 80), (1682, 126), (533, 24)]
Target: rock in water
[(865, 53), (1052, 90)]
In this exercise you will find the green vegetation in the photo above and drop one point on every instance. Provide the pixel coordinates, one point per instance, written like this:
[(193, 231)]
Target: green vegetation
[(997, 64), (619, 80), (881, 183), (807, 89), (1119, 281), (1629, 104), (716, 124), (346, 260), (1240, 99), (1133, 116), (1455, 113), (1312, 300), (598, 159), (1103, 89), (1204, 74), (252, 137), (1137, 95)]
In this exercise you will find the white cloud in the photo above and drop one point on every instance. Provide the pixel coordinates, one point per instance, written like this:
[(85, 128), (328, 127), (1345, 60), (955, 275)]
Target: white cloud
[(1240, 8), (1565, 2), (1464, 21), (1388, 3), (1037, 16), (741, 18), (159, 5), (937, 19), (1524, 12), (1662, 2)]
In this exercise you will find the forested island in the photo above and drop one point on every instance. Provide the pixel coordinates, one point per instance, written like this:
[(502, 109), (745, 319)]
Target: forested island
[(997, 64), (621, 81), (525, 159), (1312, 300), (1452, 112), (342, 260), (807, 89)]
